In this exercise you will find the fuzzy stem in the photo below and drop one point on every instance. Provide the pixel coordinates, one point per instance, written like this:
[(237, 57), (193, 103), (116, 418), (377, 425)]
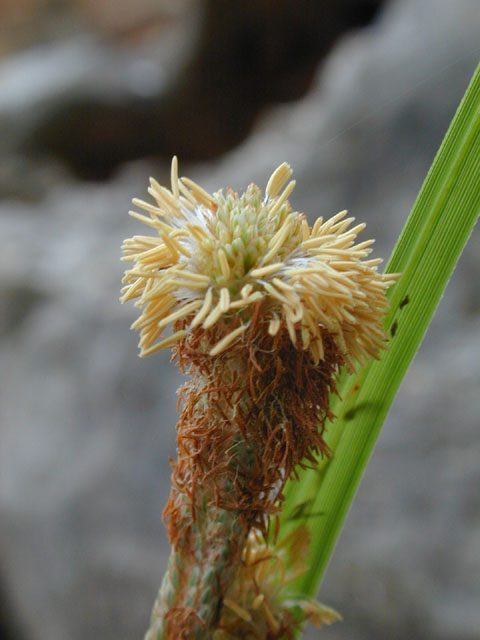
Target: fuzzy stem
[(242, 428), (207, 538), (199, 572)]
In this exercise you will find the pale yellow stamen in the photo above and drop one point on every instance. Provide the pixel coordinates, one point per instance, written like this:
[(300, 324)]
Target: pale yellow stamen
[(191, 275), (157, 312), (170, 244), (148, 336), (131, 291), (291, 331), (283, 230), (207, 303), (157, 257), (246, 290), (306, 335), (238, 304), (340, 340), (316, 226), (281, 199), (330, 293), (314, 242), (278, 239), (227, 340), (325, 228), (273, 292), (213, 316), (272, 623), (278, 179), (202, 196), (178, 335), (305, 231), (165, 195), (224, 266), (373, 263), (258, 295), (145, 292), (224, 299), (188, 284), (258, 601), (151, 208), (300, 271), (341, 227), (364, 245), (319, 614), (358, 228), (295, 313), (141, 218), (282, 285), (189, 197), (318, 350), (273, 327), (174, 177), (153, 289), (141, 241), (178, 245), (197, 231), (266, 271), (236, 608), (180, 313), (133, 274)]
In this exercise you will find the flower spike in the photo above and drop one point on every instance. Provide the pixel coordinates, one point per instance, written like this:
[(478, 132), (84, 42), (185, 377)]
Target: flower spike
[(261, 311), (219, 244)]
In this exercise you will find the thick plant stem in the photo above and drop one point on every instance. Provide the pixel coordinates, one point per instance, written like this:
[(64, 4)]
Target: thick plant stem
[(199, 572), (239, 422), (207, 538)]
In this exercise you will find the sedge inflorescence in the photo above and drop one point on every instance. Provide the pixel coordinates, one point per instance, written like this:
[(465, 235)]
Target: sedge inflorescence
[(262, 310), (215, 256), (259, 597)]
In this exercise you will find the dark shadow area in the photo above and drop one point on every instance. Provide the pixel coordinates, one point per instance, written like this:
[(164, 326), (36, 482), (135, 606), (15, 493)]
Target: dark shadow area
[(249, 55)]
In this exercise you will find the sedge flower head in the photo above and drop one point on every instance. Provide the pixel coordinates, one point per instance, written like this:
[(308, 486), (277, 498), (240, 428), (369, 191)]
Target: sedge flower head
[(261, 602), (218, 261)]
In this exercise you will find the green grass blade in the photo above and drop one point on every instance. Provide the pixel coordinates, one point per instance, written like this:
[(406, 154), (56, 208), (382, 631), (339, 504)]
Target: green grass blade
[(436, 231)]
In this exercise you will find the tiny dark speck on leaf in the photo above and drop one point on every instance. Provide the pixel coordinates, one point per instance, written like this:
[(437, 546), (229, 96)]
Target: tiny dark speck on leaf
[(405, 301), (303, 511), (394, 328), (351, 413)]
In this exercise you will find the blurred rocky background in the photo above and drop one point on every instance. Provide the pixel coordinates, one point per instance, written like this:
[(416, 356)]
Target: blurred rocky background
[(94, 97)]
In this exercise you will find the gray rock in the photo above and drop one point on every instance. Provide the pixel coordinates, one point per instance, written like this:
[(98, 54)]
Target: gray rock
[(87, 427)]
